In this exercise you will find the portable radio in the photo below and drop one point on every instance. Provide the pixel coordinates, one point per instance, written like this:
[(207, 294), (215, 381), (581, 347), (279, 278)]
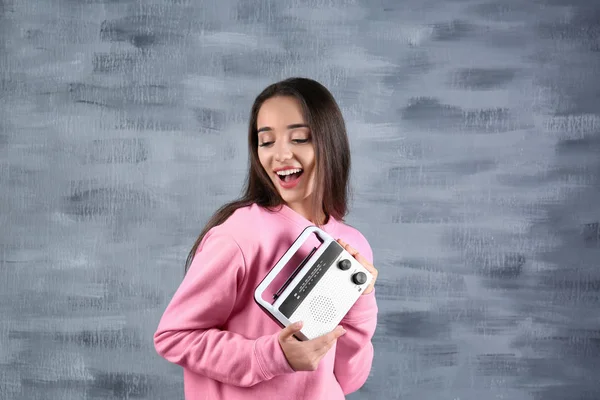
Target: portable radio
[(319, 291)]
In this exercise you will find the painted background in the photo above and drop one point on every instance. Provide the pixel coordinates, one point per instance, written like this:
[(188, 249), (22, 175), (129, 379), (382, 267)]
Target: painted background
[(475, 129)]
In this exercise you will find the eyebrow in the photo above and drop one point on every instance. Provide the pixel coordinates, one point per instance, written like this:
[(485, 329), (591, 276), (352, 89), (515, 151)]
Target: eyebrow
[(292, 126)]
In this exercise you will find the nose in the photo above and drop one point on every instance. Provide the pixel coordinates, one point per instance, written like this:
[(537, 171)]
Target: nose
[(282, 151)]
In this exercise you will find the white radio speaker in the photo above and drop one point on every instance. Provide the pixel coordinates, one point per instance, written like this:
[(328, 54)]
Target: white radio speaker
[(319, 291)]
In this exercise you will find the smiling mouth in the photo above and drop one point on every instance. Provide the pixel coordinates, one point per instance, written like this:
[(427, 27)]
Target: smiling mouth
[(287, 177)]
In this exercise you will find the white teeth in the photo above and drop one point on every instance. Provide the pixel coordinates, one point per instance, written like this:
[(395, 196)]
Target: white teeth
[(288, 172)]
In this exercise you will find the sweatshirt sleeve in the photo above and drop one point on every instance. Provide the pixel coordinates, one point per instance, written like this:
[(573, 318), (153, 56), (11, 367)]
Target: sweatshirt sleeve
[(188, 333), (354, 350)]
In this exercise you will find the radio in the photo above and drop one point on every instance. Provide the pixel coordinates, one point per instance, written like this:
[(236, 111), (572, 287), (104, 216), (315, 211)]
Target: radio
[(319, 291)]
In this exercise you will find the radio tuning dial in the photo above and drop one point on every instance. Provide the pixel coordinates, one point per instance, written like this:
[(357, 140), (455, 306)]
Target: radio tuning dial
[(344, 264), (359, 278)]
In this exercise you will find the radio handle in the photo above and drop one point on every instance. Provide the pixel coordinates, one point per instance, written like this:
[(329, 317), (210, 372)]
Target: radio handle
[(322, 236)]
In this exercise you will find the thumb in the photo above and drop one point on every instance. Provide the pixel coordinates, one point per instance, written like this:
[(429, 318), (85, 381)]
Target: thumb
[(289, 330)]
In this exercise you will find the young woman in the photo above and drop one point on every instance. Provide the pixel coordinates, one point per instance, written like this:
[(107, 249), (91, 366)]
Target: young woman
[(228, 347)]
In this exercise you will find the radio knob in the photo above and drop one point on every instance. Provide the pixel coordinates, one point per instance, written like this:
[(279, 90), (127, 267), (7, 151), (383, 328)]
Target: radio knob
[(344, 265), (359, 278)]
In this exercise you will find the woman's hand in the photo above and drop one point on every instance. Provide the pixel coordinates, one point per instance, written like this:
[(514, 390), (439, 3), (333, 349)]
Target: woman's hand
[(365, 263), (306, 355)]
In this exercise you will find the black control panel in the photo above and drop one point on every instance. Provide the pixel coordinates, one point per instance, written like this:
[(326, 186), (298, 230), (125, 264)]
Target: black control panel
[(312, 277)]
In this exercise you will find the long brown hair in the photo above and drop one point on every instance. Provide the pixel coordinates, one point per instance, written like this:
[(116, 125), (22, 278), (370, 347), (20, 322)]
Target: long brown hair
[(332, 157)]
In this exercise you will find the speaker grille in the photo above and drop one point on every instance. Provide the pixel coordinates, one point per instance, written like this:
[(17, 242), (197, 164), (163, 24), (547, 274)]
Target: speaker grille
[(322, 309)]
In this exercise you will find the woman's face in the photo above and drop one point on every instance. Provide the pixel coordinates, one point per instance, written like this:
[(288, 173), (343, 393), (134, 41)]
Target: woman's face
[(286, 151)]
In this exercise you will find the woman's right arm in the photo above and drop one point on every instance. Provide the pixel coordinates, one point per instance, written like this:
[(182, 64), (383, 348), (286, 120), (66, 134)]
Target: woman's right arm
[(187, 334)]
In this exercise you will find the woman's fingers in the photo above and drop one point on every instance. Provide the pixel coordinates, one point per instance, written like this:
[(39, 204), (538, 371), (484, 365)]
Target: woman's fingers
[(365, 263)]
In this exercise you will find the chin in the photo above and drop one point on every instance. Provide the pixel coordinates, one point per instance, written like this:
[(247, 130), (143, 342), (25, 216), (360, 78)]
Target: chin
[(295, 196)]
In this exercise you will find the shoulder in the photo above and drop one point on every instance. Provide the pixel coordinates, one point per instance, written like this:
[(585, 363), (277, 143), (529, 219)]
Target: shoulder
[(226, 241), (241, 221), (241, 227), (355, 238)]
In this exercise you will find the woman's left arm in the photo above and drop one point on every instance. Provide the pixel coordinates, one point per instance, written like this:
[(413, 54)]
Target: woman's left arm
[(354, 350)]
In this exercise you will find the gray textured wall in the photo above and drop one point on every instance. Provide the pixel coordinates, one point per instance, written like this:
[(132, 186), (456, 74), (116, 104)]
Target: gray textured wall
[(475, 128)]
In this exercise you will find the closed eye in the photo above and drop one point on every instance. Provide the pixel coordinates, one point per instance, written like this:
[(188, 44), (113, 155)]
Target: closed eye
[(298, 141)]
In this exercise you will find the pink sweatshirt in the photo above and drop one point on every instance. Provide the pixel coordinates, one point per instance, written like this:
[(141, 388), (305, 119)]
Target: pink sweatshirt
[(228, 347)]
